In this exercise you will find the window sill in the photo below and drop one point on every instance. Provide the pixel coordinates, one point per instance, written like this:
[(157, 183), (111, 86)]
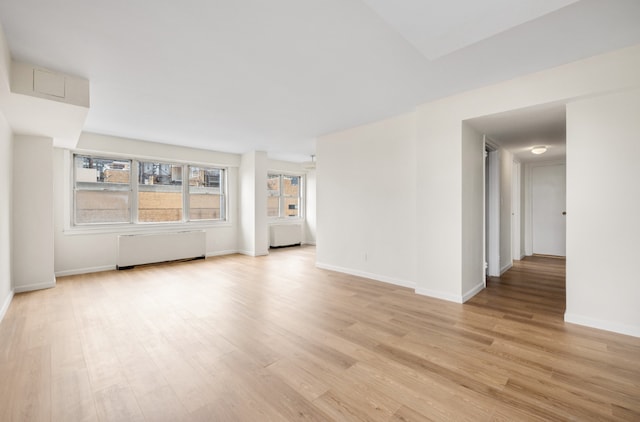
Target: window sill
[(144, 228), (279, 220)]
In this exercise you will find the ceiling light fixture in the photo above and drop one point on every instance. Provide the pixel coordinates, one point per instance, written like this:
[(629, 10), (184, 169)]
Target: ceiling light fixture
[(541, 149)]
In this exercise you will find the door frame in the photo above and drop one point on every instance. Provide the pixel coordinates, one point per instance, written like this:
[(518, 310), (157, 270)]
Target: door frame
[(492, 209), (516, 217)]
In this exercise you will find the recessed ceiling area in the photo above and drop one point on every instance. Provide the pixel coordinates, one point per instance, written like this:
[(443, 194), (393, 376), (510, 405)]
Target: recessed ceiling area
[(273, 76), (459, 23), (520, 130)]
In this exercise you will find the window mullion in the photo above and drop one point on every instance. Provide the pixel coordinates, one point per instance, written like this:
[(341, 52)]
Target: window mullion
[(134, 180), (281, 197), (185, 193)]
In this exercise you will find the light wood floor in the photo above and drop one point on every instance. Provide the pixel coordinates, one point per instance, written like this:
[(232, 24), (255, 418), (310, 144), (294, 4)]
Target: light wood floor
[(256, 339)]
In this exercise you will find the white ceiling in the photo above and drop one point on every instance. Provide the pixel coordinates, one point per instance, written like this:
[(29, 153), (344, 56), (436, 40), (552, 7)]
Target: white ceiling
[(274, 75), (437, 28)]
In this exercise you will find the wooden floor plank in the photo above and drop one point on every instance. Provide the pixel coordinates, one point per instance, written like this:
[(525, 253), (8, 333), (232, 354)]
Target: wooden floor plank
[(274, 339)]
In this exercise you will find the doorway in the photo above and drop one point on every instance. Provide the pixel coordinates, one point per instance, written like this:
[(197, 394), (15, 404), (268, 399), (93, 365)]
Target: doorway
[(548, 215), (509, 138)]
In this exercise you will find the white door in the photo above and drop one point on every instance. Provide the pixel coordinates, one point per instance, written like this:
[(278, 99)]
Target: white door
[(548, 189)]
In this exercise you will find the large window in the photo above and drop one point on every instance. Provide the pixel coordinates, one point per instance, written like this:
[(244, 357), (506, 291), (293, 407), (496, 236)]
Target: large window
[(105, 193), (284, 196)]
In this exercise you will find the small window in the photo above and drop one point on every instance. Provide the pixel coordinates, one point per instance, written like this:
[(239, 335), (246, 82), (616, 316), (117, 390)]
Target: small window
[(284, 196), (159, 192), (206, 194), (102, 190)]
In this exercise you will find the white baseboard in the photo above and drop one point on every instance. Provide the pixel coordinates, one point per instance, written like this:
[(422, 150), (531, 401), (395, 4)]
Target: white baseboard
[(506, 268), (5, 305), (251, 253), (474, 291), (309, 242), (35, 286), (85, 270), (439, 295), (113, 267), (221, 253), (616, 327), (358, 273)]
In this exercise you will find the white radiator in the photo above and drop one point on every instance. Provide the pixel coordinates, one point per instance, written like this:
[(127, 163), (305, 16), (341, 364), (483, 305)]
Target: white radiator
[(141, 249), (285, 235)]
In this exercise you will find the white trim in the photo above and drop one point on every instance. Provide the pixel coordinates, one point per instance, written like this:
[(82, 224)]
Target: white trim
[(221, 253), (277, 221), (516, 201), (474, 291), (376, 277), (251, 253), (145, 228), (492, 233), (113, 267), (616, 327), (506, 268), (309, 242), (452, 298), (85, 270), (36, 286), (439, 295), (5, 305)]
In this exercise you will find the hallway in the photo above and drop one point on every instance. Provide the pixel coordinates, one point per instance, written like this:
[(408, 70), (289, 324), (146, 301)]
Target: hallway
[(533, 289)]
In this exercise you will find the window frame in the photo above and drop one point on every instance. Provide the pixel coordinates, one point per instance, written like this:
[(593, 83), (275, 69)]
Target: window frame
[(134, 224), (282, 197)]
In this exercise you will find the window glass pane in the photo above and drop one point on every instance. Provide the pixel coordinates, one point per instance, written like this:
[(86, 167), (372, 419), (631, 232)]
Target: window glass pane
[(205, 177), (291, 185), (101, 190), (101, 173), (273, 206), (273, 185), (206, 196), (102, 206), (291, 207), (159, 192), (205, 207)]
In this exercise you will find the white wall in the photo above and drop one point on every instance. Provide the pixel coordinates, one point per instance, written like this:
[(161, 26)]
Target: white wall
[(253, 230), (366, 201), (33, 230), (506, 173), (6, 184), (440, 174), (79, 251), (6, 188), (472, 212), (309, 236), (603, 210), (349, 226)]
